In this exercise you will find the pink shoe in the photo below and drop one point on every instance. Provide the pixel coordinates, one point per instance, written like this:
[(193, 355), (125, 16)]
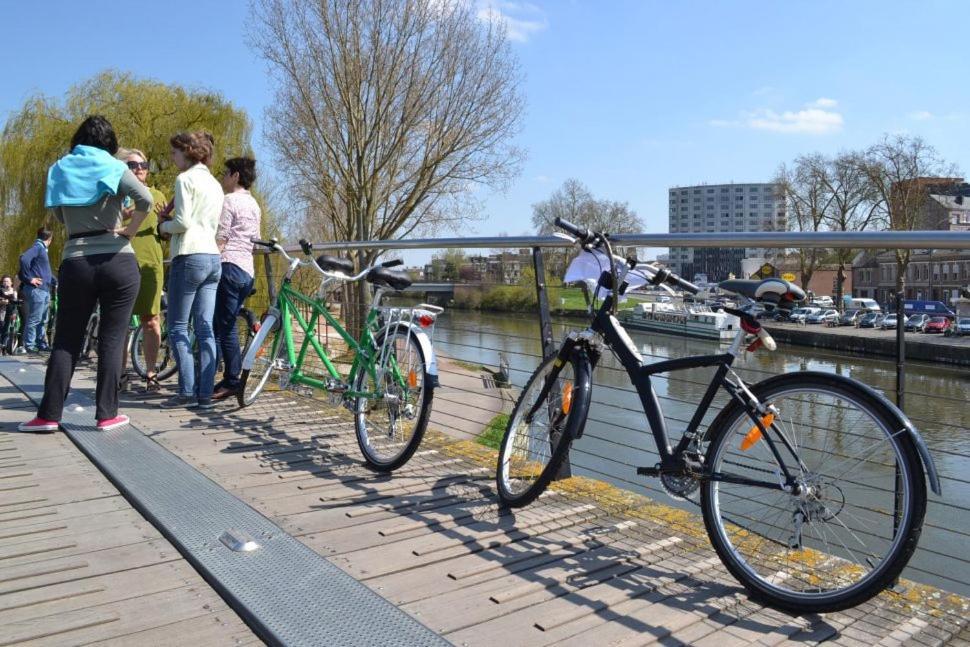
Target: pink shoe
[(113, 423), (39, 425)]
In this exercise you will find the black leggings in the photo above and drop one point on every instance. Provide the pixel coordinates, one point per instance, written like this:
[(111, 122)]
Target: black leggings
[(110, 280)]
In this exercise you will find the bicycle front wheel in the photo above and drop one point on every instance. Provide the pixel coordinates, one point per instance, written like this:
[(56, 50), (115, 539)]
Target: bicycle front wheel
[(541, 428), (267, 349), (850, 523), (391, 418)]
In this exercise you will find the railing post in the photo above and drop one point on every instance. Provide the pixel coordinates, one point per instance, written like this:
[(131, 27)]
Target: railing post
[(270, 284), (900, 401), (900, 352), (542, 299), (545, 337)]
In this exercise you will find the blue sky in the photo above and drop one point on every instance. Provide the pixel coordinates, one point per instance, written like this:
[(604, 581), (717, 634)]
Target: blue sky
[(629, 97)]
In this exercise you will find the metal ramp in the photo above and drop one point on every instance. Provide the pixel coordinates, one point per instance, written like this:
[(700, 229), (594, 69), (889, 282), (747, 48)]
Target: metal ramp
[(286, 592)]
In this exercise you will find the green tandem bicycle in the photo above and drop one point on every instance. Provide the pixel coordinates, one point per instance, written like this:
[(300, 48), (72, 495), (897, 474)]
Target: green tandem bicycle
[(389, 383)]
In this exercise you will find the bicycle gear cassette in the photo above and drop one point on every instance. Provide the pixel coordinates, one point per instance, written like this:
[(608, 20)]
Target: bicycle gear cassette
[(679, 486)]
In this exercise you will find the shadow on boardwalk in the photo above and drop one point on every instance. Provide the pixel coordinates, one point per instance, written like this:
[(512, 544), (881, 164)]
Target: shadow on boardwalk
[(586, 564)]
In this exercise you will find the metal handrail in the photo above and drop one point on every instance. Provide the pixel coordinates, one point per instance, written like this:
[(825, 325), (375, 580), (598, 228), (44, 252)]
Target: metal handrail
[(940, 239)]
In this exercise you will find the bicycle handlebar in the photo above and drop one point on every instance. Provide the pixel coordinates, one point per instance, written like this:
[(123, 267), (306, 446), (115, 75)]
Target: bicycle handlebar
[(585, 236), (307, 247)]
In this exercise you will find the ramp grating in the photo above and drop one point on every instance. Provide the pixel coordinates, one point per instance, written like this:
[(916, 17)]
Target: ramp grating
[(287, 593)]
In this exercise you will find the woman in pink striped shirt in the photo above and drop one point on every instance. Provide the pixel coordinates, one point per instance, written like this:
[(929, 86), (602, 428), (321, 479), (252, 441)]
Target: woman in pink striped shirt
[(238, 226)]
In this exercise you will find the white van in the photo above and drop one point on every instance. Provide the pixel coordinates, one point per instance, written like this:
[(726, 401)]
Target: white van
[(862, 304)]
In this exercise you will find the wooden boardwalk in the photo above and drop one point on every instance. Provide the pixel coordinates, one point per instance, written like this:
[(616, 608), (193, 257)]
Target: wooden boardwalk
[(585, 565), (79, 566)]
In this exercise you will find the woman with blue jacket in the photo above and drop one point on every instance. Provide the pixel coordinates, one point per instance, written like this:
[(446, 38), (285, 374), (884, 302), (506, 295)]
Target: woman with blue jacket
[(86, 190)]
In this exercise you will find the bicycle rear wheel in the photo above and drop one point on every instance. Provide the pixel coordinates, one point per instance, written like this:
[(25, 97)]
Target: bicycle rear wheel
[(267, 348), (391, 421), (541, 428), (165, 366), (851, 523)]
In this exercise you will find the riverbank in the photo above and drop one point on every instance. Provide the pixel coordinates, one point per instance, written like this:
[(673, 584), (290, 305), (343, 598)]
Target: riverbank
[(874, 342)]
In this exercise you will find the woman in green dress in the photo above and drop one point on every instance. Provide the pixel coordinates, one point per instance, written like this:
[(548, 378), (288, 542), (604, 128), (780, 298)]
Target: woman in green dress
[(148, 252)]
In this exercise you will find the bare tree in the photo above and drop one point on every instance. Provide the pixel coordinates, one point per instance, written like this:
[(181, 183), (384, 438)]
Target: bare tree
[(574, 202), (387, 113), (805, 187), (852, 206), (901, 170)]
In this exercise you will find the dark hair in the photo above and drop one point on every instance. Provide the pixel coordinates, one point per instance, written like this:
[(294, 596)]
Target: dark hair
[(96, 131), (246, 167), (6, 276), (197, 146), (44, 233)]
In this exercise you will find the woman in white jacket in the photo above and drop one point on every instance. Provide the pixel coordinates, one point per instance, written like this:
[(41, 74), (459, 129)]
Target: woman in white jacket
[(192, 219)]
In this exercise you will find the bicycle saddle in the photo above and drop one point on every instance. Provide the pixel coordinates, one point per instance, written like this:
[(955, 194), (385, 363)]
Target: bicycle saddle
[(335, 264), (770, 290), (390, 278)]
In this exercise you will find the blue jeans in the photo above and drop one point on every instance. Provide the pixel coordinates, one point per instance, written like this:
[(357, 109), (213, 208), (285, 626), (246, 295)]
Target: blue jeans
[(37, 299), (234, 286), (192, 282)]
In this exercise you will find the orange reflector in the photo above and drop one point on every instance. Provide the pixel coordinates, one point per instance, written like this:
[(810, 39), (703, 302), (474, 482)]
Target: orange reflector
[(567, 397), (412, 379), (754, 435)]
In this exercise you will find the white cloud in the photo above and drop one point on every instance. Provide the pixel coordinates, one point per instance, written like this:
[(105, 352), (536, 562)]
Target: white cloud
[(814, 121), (921, 115), (520, 19), (815, 118), (823, 102)]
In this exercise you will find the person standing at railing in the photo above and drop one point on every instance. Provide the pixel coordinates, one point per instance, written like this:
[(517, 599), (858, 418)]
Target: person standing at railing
[(192, 219), (86, 189), (238, 226), (148, 251), (36, 281)]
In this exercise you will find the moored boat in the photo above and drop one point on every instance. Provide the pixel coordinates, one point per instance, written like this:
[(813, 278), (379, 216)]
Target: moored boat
[(691, 320)]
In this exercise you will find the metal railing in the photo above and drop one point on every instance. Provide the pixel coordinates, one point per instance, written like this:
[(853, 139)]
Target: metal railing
[(617, 439)]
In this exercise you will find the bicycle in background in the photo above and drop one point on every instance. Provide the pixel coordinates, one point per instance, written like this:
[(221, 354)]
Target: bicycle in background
[(389, 384)]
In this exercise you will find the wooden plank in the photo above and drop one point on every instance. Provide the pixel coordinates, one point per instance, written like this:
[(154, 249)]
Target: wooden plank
[(214, 630), (119, 618), (95, 591)]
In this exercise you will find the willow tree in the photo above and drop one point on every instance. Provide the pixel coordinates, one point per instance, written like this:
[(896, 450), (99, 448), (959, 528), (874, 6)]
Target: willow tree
[(145, 114), (388, 114)]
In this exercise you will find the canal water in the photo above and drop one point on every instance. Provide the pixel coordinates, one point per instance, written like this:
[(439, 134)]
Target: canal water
[(617, 439)]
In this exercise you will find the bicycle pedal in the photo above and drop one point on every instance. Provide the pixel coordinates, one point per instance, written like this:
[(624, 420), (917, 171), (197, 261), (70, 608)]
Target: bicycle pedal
[(648, 471)]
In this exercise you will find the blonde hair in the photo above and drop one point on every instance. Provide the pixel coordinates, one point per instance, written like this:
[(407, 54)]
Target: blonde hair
[(126, 152)]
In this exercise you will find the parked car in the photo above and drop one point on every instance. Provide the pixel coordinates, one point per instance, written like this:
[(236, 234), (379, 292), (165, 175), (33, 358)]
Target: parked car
[(889, 322), (960, 327), (823, 302), (867, 320), (936, 324), (915, 323), (849, 317), (821, 316), (800, 315)]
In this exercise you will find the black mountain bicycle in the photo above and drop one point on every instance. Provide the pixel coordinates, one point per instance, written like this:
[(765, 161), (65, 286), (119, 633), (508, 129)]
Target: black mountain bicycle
[(812, 486)]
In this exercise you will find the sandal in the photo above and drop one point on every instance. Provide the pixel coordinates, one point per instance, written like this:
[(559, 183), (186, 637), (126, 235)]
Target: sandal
[(152, 384)]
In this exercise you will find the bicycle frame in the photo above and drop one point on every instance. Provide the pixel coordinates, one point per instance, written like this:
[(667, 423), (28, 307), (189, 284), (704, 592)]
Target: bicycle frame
[(287, 302), (674, 459)]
